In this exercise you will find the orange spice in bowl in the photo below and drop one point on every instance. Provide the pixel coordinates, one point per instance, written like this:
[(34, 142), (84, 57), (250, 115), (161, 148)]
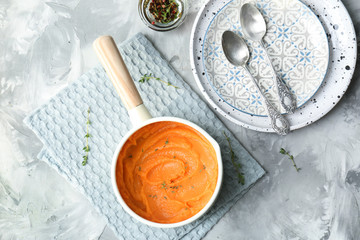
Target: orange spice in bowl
[(166, 172)]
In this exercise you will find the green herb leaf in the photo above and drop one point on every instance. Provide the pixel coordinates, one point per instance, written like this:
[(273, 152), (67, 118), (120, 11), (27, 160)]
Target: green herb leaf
[(282, 151), (87, 148), (241, 178), (237, 166), (147, 77), (291, 157)]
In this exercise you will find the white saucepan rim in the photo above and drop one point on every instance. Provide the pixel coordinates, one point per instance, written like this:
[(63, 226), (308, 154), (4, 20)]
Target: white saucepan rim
[(213, 197)]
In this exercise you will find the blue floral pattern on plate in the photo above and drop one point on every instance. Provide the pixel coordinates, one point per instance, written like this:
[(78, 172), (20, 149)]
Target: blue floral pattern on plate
[(296, 42)]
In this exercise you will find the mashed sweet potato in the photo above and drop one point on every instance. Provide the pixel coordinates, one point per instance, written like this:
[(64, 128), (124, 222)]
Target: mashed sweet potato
[(167, 172)]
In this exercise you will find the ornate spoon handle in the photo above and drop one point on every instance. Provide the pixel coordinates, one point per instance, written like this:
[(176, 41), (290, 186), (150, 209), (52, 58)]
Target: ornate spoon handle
[(278, 122), (287, 99)]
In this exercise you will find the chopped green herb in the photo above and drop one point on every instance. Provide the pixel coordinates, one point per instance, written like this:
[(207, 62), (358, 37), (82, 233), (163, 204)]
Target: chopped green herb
[(192, 187), (139, 168), (204, 167), (163, 185), (165, 197), (238, 166), (147, 77), (142, 150), (156, 149), (291, 157), (174, 156), (130, 156), (173, 191), (167, 141), (164, 11)]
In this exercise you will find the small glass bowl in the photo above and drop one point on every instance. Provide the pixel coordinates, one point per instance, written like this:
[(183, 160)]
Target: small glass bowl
[(148, 18)]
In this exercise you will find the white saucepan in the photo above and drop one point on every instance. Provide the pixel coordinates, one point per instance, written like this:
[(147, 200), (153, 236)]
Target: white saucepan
[(140, 117)]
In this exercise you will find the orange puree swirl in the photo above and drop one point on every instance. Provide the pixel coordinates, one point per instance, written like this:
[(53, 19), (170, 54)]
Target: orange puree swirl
[(167, 172)]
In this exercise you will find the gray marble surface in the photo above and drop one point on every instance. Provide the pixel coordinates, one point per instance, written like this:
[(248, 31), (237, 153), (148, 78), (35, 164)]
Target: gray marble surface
[(45, 45)]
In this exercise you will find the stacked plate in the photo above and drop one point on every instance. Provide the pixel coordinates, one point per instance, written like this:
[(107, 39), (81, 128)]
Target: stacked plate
[(312, 45)]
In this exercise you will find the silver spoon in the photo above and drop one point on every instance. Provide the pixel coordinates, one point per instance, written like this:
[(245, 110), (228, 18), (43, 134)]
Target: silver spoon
[(237, 52), (254, 28)]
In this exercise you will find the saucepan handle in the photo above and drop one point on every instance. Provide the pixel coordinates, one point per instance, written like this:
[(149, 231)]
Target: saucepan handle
[(118, 73)]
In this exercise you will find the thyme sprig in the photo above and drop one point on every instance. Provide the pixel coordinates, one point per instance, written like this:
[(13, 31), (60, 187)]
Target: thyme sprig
[(291, 157), (87, 148), (147, 77), (238, 166)]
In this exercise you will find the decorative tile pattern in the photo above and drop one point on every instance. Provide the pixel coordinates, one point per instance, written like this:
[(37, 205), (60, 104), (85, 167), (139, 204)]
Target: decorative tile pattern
[(296, 42)]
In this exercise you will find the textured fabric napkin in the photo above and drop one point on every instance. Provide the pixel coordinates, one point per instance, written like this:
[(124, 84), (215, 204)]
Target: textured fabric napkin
[(61, 125)]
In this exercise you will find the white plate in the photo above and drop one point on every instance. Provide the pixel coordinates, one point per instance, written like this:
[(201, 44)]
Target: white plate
[(298, 46), (342, 42)]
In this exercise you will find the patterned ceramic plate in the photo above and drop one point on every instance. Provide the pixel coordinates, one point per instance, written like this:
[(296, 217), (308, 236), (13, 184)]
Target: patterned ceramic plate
[(299, 48)]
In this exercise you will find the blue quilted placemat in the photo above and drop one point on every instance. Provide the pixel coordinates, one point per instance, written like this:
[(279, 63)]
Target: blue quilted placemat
[(60, 125)]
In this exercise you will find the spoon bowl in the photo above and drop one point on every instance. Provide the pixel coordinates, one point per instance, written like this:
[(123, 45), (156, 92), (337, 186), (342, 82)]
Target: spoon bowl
[(235, 48), (252, 22), (254, 28)]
